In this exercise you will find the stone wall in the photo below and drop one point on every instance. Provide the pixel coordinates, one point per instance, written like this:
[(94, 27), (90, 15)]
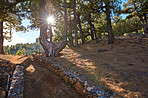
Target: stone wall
[(17, 84), (77, 81)]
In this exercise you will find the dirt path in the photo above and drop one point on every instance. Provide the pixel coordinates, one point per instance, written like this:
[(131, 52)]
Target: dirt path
[(43, 83), (39, 82)]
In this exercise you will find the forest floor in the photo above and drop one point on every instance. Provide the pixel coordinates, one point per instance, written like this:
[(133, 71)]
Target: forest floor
[(121, 67)]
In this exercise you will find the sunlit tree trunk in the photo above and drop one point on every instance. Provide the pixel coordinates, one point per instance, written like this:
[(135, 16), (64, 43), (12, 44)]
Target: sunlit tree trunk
[(1, 38), (51, 49)]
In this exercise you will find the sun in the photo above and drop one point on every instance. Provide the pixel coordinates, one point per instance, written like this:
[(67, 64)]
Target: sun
[(50, 19)]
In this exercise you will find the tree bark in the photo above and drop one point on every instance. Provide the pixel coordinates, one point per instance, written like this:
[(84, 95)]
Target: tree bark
[(75, 23), (51, 49), (91, 26), (50, 33), (95, 32), (109, 26), (80, 26), (144, 24), (1, 38), (145, 28), (71, 38), (65, 19)]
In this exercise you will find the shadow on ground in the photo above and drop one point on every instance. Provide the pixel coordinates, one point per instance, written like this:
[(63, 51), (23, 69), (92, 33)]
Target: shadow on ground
[(123, 68), (42, 83)]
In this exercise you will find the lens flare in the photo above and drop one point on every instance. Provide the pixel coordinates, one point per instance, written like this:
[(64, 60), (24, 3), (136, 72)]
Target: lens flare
[(50, 20)]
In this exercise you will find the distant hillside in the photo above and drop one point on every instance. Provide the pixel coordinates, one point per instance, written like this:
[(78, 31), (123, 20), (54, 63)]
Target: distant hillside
[(25, 49)]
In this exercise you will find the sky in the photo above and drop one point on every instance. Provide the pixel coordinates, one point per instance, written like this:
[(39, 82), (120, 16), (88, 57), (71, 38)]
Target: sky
[(29, 37), (21, 37)]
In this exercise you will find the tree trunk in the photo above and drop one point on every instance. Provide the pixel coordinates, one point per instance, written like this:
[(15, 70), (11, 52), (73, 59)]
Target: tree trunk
[(81, 32), (71, 38), (109, 26), (75, 23), (51, 49), (95, 32), (145, 28), (65, 19), (91, 26), (50, 33), (144, 24), (1, 38), (136, 29)]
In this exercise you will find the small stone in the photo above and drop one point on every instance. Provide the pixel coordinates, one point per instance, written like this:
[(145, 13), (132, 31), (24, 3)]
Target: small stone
[(89, 88), (58, 72), (65, 78), (71, 81), (85, 84), (61, 74), (80, 88)]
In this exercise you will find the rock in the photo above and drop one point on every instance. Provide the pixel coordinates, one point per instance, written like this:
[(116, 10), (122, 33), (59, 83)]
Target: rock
[(56, 71), (65, 78), (61, 74), (16, 87), (89, 88), (71, 81), (80, 88)]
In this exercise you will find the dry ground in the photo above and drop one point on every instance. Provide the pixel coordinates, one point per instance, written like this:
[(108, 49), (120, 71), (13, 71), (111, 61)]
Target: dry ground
[(122, 67)]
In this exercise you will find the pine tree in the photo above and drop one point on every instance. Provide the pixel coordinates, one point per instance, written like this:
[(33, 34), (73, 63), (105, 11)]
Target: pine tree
[(137, 8), (10, 13)]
